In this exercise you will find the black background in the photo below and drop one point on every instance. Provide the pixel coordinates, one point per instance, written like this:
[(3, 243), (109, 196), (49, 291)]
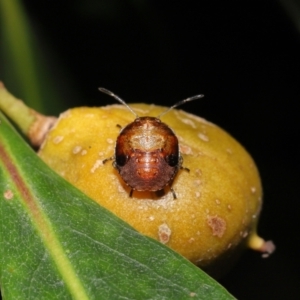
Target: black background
[(243, 55)]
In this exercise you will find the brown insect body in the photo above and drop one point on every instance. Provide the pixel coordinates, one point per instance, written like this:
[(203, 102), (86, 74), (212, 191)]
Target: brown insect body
[(147, 154)]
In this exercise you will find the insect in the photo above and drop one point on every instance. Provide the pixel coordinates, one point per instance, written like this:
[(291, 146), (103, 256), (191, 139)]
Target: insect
[(147, 153)]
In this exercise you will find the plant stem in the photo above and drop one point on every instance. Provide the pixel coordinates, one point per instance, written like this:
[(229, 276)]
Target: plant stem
[(33, 124)]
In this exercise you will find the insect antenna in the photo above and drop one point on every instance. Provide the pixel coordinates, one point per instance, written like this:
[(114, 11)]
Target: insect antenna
[(103, 90), (180, 103)]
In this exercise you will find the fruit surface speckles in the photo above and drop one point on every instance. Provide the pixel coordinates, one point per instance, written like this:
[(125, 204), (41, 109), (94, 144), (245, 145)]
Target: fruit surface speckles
[(217, 224), (185, 149), (57, 139), (164, 233), (77, 149), (203, 137), (216, 200)]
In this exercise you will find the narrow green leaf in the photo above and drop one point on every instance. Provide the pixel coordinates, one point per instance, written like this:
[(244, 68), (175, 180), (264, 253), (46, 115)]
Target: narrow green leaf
[(55, 243), (24, 68)]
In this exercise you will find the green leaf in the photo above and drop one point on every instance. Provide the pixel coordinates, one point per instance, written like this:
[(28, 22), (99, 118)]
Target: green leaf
[(24, 67), (56, 243)]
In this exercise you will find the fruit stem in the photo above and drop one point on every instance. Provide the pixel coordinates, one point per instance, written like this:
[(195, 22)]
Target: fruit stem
[(33, 124), (257, 243)]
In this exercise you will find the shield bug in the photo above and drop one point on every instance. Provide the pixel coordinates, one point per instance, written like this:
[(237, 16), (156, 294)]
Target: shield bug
[(147, 153)]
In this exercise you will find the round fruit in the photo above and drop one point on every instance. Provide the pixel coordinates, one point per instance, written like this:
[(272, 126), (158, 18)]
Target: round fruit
[(218, 201)]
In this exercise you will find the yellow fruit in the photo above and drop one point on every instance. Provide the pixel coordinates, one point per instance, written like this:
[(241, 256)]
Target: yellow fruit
[(218, 201)]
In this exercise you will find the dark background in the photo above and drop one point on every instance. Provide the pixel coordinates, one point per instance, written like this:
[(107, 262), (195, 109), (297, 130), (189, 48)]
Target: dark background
[(243, 55)]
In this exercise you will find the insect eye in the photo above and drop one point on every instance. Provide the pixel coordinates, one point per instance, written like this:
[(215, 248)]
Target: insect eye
[(121, 160), (172, 160)]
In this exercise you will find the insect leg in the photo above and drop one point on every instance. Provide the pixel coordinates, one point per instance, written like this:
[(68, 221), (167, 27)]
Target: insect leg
[(107, 159), (173, 192), (130, 194), (185, 169)]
